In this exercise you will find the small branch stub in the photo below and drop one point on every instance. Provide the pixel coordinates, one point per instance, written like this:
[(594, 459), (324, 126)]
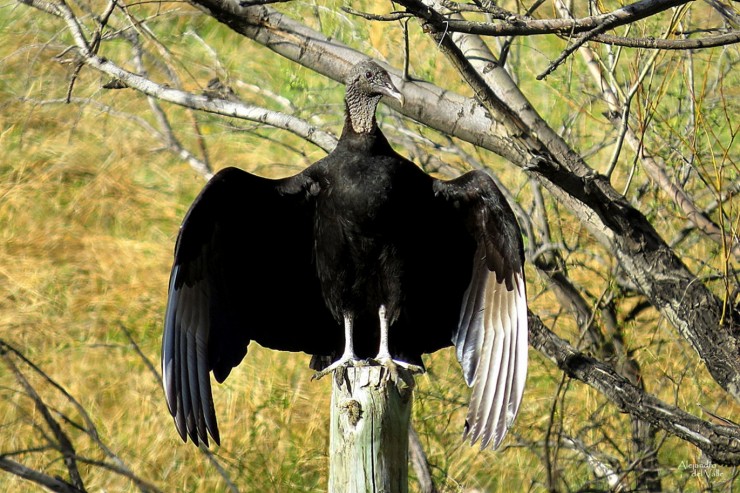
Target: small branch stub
[(368, 442)]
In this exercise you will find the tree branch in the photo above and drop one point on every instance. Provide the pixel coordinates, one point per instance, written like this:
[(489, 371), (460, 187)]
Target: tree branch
[(49, 482), (519, 25), (419, 462), (62, 439), (516, 25), (713, 41), (148, 87), (424, 102), (720, 443), (168, 135)]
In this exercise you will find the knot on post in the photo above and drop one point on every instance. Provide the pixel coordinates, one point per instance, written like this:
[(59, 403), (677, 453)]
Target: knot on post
[(353, 409)]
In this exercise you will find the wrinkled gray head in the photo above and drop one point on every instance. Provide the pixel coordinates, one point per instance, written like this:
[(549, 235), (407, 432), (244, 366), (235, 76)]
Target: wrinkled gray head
[(366, 83), (370, 79)]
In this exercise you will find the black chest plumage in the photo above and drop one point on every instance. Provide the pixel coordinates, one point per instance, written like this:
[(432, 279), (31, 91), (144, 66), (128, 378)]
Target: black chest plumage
[(365, 210)]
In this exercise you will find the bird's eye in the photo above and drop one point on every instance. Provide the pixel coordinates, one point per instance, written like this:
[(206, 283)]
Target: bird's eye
[(368, 75)]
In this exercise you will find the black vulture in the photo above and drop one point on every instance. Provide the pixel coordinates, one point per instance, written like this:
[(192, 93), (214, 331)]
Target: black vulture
[(360, 256)]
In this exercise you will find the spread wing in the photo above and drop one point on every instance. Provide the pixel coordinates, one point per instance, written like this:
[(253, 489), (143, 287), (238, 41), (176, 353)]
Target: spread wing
[(243, 271), (491, 335)]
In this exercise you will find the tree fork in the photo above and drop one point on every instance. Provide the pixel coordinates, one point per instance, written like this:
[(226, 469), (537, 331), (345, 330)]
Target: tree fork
[(369, 430)]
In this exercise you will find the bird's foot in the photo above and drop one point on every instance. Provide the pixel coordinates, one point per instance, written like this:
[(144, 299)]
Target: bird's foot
[(390, 362), (392, 366), (345, 361)]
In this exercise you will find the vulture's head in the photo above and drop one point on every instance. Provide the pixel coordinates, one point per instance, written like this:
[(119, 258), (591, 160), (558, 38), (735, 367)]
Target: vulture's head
[(371, 80)]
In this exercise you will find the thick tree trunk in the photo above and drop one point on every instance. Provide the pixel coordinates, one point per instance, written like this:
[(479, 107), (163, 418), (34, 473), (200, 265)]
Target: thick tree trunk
[(369, 425)]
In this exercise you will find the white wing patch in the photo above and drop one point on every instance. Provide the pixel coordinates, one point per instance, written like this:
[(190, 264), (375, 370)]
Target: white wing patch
[(492, 345)]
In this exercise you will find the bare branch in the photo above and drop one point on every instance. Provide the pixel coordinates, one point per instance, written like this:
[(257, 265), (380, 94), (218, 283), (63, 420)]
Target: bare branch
[(54, 484), (434, 106), (121, 470), (602, 466), (189, 100), (248, 3), (150, 366), (712, 41), (521, 26), (173, 143), (420, 464), (393, 16), (61, 438), (720, 443), (590, 28), (222, 471)]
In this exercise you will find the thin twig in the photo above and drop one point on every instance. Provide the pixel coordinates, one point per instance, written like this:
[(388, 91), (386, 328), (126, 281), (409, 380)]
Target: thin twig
[(220, 469), (150, 366), (66, 447), (393, 16), (173, 143), (63, 444)]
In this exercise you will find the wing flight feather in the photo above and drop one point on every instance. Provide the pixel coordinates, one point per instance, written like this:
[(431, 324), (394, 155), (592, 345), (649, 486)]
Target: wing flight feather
[(246, 240), (491, 336)]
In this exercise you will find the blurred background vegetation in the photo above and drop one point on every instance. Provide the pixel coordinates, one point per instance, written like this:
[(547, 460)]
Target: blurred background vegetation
[(91, 201)]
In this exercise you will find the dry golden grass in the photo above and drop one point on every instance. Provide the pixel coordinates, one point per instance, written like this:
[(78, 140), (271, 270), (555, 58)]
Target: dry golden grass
[(89, 212)]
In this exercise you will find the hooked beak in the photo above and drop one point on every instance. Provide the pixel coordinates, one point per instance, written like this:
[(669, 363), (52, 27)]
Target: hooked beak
[(388, 89)]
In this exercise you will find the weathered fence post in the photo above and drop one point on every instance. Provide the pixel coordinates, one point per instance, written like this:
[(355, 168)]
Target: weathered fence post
[(369, 436)]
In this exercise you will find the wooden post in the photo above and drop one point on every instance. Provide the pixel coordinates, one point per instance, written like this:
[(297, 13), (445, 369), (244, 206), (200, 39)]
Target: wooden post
[(369, 436)]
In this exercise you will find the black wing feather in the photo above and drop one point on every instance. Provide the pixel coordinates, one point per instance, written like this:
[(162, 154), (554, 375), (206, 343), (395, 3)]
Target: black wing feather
[(243, 271), (491, 335)]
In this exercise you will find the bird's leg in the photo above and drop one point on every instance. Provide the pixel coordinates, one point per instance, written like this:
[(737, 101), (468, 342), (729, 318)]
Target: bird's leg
[(384, 355), (348, 357)]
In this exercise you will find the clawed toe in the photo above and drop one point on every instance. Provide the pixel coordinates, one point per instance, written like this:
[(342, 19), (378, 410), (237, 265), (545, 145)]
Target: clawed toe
[(392, 370), (393, 364), (342, 362), (390, 364)]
